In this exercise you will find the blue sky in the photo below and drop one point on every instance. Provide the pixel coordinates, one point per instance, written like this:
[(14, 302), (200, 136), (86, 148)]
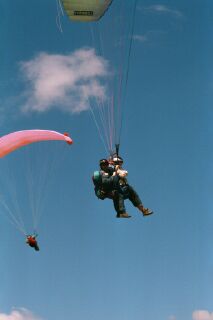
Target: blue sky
[(92, 265)]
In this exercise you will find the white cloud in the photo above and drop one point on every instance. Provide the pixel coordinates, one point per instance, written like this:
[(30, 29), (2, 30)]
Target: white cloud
[(172, 317), (140, 38), (162, 9), (19, 314), (64, 81), (150, 36), (202, 315)]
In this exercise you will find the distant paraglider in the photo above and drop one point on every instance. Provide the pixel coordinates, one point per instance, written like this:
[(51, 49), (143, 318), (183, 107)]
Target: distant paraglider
[(36, 167)]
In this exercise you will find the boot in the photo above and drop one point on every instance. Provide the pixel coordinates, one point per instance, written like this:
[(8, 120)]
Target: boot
[(145, 211), (123, 215)]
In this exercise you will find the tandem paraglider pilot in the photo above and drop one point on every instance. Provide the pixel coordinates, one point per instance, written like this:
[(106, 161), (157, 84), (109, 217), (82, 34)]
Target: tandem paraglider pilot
[(111, 182)]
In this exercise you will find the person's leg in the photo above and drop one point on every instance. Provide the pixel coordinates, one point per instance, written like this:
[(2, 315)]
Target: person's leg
[(118, 201), (136, 201), (36, 247), (134, 197)]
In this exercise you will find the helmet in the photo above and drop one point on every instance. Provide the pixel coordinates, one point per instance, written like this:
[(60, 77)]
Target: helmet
[(104, 162), (117, 160)]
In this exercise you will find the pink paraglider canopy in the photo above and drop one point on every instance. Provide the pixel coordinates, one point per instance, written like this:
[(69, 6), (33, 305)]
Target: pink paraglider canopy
[(18, 139)]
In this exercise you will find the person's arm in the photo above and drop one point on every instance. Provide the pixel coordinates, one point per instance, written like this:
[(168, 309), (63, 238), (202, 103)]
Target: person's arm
[(121, 172)]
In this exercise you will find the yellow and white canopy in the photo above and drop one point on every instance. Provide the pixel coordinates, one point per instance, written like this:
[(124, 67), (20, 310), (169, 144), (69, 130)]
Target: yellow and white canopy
[(85, 10)]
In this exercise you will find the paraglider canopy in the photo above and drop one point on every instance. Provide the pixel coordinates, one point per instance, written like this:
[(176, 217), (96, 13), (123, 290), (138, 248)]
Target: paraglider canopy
[(85, 10), (18, 139)]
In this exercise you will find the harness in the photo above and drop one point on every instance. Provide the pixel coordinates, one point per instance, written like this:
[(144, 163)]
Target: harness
[(99, 190)]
